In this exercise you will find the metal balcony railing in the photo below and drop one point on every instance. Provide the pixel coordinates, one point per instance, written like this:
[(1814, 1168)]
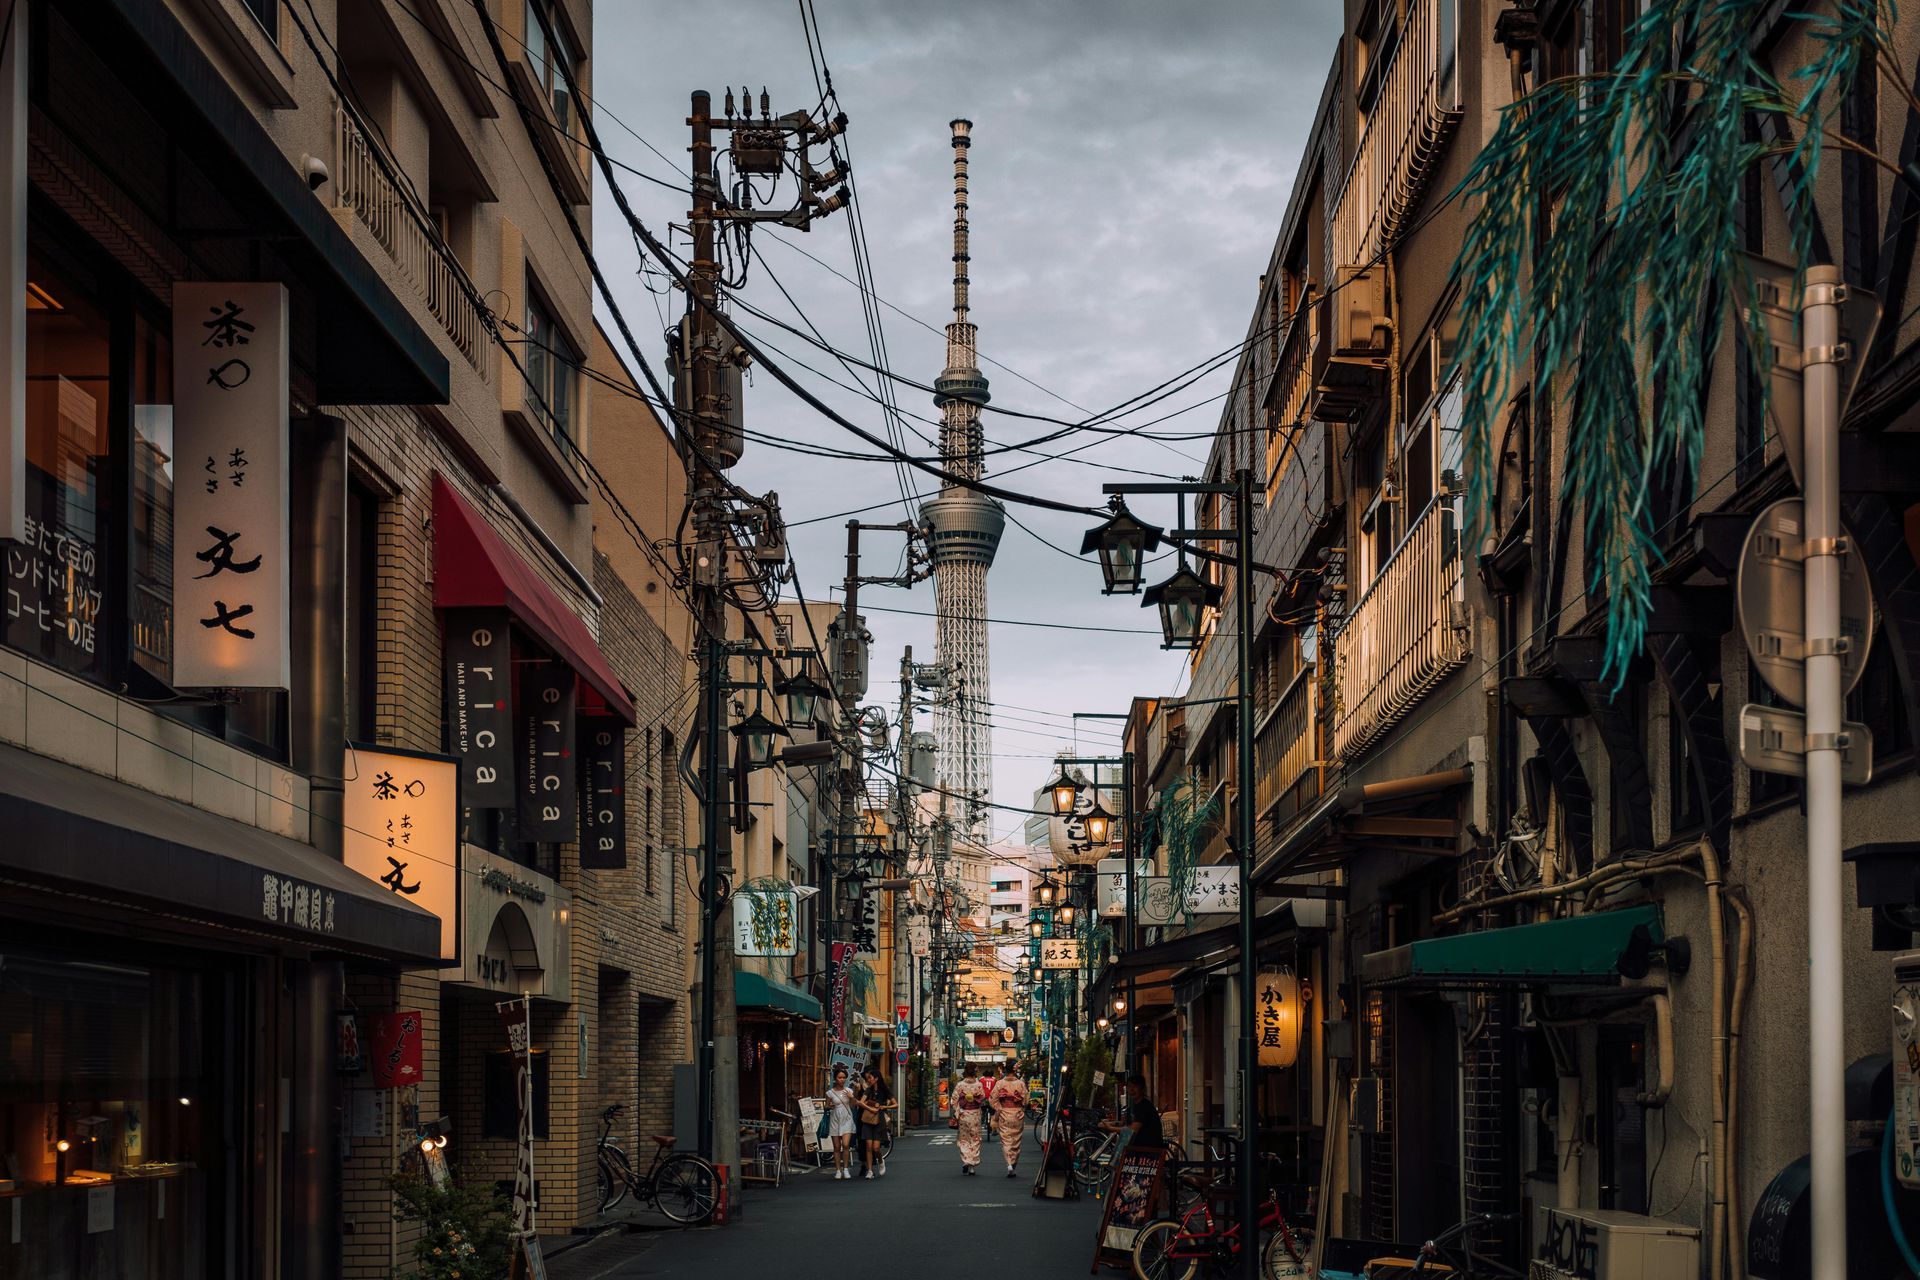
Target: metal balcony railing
[(1399, 640), (1416, 110), (1284, 751), (361, 185), (1288, 394)]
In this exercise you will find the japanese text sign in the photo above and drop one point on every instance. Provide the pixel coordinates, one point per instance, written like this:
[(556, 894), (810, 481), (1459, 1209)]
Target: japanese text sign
[(764, 922), (603, 779), (230, 499), (547, 799), (1215, 890), (1060, 953), (480, 704), (866, 925), (1276, 1003), (397, 1057), (1111, 879), (401, 816)]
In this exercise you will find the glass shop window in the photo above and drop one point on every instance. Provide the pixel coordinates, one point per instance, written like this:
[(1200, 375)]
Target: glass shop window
[(111, 1114)]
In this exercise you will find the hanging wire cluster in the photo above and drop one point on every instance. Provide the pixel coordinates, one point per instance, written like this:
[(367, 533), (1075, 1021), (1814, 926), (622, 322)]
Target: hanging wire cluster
[(1623, 289)]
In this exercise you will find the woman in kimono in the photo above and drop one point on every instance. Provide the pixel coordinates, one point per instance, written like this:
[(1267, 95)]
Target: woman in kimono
[(969, 1106), (1009, 1102)]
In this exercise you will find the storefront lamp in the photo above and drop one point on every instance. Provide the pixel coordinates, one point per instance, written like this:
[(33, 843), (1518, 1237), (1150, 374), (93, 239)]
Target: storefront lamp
[(1183, 601), (803, 694), (1100, 1023), (1038, 929), (1119, 1005), (1277, 999), (1039, 974), (1066, 793), (1066, 915), (1099, 824), (63, 1146), (1123, 543), (758, 733), (1044, 894)]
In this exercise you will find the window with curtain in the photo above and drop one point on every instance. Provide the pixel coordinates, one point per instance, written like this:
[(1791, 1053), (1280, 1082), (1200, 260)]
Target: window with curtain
[(551, 362)]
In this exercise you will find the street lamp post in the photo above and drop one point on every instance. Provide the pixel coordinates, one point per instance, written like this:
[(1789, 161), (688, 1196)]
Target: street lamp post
[(1182, 600), (1101, 835)]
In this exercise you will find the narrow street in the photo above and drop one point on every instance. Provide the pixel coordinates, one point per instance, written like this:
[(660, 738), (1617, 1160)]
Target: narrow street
[(924, 1218)]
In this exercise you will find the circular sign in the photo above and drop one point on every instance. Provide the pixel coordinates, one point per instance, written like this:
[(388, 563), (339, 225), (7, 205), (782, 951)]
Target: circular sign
[(1770, 590)]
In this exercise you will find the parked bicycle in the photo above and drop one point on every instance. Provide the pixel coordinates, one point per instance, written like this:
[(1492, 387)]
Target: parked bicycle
[(1207, 1238), (1451, 1252), (683, 1187)]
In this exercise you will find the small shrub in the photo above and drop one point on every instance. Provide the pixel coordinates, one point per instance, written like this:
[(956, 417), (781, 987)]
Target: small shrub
[(466, 1228)]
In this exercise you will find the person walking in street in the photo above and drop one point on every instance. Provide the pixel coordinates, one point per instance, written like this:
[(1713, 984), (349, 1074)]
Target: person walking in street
[(875, 1101), (969, 1108), (1009, 1102), (840, 1100)]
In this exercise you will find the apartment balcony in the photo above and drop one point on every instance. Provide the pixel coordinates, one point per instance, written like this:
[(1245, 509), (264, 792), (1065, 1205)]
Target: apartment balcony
[(1287, 767), (1400, 640), (1415, 111), (360, 184), (1299, 495)]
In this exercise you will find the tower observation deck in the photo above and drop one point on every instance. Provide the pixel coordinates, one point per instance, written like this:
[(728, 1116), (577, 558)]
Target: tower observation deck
[(964, 529)]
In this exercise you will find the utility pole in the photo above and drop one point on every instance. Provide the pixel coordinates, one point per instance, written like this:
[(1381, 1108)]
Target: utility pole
[(903, 805)]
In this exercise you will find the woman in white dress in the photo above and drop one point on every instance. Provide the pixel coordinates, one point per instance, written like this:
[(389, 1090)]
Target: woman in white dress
[(840, 1123)]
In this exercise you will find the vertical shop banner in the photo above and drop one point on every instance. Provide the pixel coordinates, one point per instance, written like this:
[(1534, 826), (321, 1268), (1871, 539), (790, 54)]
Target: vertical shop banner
[(517, 1017), (839, 959), (397, 1056), (230, 499), (480, 704), (401, 816), (603, 808), (13, 277), (548, 803), (866, 925)]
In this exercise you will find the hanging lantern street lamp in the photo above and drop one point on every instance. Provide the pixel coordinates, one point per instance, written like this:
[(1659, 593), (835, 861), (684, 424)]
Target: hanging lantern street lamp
[(1183, 601), (758, 733), (1044, 894), (804, 695), (1123, 543), (1066, 793), (1099, 823)]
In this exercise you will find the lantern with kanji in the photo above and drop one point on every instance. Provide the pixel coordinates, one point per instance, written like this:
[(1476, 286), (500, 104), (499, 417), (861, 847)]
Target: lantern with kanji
[(1277, 1017)]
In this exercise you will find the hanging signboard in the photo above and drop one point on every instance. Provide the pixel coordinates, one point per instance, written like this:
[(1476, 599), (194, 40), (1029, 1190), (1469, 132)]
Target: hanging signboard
[(603, 810), (516, 1016), (866, 925), (1059, 953), (1111, 884), (839, 958), (231, 558), (400, 819), (1131, 1200), (397, 1057), (765, 922), (1214, 891), (13, 286), (480, 704), (1277, 1017), (1156, 904), (547, 799), (920, 940)]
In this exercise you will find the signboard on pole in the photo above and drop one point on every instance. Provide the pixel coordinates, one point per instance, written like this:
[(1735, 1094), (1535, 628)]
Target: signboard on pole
[(1214, 891), (764, 921), (1060, 953), (1156, 904), (397, 1056), (231, 556), (839, 958), (517, 1018), (1111, 884), (400, 818)]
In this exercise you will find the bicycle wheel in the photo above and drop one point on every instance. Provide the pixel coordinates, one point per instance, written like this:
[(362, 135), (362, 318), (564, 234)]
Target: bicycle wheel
[(1092, 1163), (886, 1144), (613, 1176), (1278, 1262), (686, 1189), (1153, 1253)]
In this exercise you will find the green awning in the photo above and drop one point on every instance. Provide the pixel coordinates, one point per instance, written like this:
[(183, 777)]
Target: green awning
[(1587, 950), (757, 991)]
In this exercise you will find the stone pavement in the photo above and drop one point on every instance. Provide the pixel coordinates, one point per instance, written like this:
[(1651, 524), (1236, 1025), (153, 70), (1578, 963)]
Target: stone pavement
[(924, 1221)]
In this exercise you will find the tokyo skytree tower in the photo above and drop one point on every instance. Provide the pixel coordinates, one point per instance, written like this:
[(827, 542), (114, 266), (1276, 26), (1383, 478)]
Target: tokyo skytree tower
[(964, 528)]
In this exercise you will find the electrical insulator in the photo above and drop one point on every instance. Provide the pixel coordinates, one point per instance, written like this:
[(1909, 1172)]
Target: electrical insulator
[(838, 200)]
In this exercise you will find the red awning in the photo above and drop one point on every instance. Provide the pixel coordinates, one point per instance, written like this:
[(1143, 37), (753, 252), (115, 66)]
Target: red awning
[(474, 568)]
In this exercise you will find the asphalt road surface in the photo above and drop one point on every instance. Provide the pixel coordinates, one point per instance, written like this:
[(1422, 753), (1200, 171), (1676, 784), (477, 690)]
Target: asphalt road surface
[(924, 1220)]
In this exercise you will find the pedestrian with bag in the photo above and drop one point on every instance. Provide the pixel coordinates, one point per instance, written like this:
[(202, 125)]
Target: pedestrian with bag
[(969, 1107), (838, 1123), (1009, 1102), (874, 1101)]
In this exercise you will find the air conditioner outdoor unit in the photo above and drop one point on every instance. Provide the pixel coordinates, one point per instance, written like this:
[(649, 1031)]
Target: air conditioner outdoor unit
[(1605, 1244), (1360, 317)]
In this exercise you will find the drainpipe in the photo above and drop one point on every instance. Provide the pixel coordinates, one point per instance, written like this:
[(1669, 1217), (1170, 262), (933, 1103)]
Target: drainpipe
[(317, 737)]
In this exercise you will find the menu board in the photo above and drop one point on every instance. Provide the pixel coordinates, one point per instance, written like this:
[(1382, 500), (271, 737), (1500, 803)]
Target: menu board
[(1131, 1198)]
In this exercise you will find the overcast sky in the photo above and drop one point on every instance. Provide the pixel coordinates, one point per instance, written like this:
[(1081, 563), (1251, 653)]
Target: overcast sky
[(1132, 160)]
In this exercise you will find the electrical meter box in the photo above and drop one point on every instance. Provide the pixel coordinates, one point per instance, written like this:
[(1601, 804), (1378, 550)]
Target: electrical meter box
[(1906, 1068)]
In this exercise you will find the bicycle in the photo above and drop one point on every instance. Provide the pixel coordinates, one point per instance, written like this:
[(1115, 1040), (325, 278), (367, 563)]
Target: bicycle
[(1204, 1239), (1451, 1252), (683, 1187)]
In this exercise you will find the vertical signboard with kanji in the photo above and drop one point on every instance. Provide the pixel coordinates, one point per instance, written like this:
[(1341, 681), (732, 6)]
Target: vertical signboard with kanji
[(866, 925), (547, 800), (517, 1017), (230, 541), (603, 810), (397, 1054), (13, 278), (480, 705), (401, 815), (839, 959)]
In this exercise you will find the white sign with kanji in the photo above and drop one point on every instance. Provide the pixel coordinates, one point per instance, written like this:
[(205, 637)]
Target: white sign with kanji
[(1156, 902), (765, 922), (1111, 881), (401, 819), (1060, 953), (1214, 891), (231, 559)]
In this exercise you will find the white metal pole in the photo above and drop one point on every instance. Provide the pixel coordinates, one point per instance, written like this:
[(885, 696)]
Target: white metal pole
[(1826, 1024)]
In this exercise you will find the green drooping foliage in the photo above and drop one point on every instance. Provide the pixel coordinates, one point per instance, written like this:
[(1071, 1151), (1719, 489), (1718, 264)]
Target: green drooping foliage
[(771, 921), (1181, 816), (1091, 1055), (1623, 290)]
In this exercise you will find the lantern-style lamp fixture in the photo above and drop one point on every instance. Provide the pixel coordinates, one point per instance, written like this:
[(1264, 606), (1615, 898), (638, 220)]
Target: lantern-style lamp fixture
[(1100, 1023), (1038, 928), (1183, 601), (1066, 793), (1044, 894), (1066, 915), (1039, 974), (1099, 823), (758, 733), (1123, 543), (1119, 1004), (803, 694)]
